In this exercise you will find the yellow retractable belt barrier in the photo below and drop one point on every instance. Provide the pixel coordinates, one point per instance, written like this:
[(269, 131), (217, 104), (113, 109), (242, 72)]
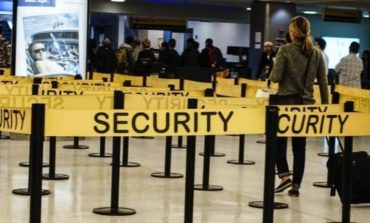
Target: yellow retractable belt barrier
[(324, 124), (154, 123), (195, 85), (17, 120), (135, 80), (154, 81)]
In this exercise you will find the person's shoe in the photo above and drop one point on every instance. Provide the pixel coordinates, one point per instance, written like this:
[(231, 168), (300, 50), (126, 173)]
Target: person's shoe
[(293, 192), (283, 185)]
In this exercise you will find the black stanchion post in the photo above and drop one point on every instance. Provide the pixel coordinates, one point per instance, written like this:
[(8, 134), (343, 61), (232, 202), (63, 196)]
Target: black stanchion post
[(211, 139), (102, 153), (241, 160), (127, 83), (145, 81), (52, 154), (114, 209), (35, 91), (190, 171), (347, 164), (330, 154), (167, 163), (125, 151), (236, 81), (205, 186), (268, 204), (76, 144), (36, 145)]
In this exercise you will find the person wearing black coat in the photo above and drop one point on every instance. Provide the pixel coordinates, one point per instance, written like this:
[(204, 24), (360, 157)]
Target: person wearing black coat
[(105, 58)]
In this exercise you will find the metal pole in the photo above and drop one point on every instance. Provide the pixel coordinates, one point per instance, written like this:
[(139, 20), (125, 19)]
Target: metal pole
[(190, 171), (272, 122), (347, 163), (37, 143)]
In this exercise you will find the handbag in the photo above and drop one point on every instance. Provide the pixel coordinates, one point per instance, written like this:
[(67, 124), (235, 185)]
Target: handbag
[(293, 99)]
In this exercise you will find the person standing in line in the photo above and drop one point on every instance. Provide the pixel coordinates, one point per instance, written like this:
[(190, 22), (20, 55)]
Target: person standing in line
[(170, 57), (365, 75), (125, 57), (350, 67), (266, 62), (105, 58), (321, 45), (295, 69), (211, 56), (190, 56), (4, 50), (137, 48)]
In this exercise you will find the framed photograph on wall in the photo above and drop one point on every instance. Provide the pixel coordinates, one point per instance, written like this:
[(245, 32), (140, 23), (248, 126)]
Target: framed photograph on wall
[(51, 37)]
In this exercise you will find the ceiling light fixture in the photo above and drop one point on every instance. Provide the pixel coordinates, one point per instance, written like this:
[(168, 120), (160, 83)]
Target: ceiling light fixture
[(117, 0), (310, 12), (249, 9)]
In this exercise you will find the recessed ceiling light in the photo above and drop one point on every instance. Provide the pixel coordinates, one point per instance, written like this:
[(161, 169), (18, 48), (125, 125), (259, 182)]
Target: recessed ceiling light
[(249, 8), (366, 16), (310, 12), (117, 0)]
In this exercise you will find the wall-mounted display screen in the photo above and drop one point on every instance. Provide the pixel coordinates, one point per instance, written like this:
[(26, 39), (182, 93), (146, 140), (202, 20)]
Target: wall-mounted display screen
[(337, 48), (51, 37)]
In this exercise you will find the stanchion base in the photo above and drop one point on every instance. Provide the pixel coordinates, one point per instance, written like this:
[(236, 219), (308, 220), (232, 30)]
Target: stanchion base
[(244, 162), (163, 175), (98, 155), (114, 211), (25, 192), (208, 188), (339, 222), (75, 147), (259, 204), (322, 184), (57, 176), (129, 164), (323, 154), (178, 147), (27, 164), (214, 155), (4, 137), (143, 137), (261, 141)]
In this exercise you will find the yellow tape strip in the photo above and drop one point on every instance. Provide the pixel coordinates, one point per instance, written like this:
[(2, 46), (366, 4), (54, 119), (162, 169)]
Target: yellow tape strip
[(324, 124), (194, 85), (154, 81), (154, 123)]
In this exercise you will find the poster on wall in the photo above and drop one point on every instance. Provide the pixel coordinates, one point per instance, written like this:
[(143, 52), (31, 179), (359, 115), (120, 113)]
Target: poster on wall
[(51, 37)]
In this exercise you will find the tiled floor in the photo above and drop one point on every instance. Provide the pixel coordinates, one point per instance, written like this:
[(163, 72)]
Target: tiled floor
[(162, 200)]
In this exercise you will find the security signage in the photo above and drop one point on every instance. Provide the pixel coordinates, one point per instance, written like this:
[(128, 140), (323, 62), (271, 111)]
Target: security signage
[(323, 124), (154, 122), (51, 37), (15, 120)]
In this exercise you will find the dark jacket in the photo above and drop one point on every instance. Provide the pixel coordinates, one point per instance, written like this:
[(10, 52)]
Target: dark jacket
[(265, 65), (190, 58), (211, 57), (171, 58), (105, 60)]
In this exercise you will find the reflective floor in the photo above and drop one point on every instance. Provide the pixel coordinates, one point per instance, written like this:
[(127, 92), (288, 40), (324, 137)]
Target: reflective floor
[(159, 200)]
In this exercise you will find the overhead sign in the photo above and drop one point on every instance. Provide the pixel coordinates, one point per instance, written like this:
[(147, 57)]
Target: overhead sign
[(51, 37)]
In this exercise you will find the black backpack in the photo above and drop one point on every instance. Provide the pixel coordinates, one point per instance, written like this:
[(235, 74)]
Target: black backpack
[(360, 173)]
